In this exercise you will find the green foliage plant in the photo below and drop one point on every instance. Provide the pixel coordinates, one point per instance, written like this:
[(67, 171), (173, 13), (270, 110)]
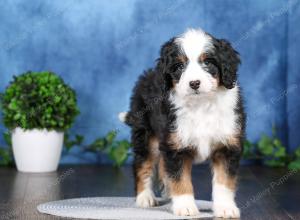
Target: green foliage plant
[(6, 155), (39, 100), (271, 151), (118, 151)]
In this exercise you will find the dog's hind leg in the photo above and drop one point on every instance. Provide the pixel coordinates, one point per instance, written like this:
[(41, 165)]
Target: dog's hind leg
[(163, 179), (144, 165)]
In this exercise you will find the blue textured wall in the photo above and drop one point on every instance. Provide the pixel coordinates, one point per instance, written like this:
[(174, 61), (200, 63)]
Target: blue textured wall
[(100, 47)]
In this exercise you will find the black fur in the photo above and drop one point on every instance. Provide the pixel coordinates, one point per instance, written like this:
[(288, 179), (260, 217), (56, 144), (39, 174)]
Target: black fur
[(174, 159), (228, 60), (167, 64)]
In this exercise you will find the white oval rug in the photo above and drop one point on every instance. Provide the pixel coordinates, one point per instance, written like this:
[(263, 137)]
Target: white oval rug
[(116, 208)]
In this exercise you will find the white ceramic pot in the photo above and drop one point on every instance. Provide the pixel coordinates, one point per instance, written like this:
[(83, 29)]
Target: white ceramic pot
[(37, 150)]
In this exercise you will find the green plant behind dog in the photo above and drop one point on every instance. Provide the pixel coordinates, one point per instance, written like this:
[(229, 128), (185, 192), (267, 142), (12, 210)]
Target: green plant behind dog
[(118, 151), (39, 100), (6, 155), (271, 151)]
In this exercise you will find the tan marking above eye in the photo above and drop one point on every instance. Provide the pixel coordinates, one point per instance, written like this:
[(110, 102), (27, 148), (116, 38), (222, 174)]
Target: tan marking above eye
[(202, 57), (182, 59)]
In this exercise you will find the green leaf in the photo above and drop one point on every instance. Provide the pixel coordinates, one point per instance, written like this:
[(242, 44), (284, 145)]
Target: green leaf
[(297, 152), (57, 99), (7, 138), (281, 152), (265, 145), (119, 155), (5, 157), (17, 116), (110, 137), (277, 143), (13, 105), (274, 163), (248, 149), (294, 165), (28, 80), (79, 139), (70, 143), (98, 145)]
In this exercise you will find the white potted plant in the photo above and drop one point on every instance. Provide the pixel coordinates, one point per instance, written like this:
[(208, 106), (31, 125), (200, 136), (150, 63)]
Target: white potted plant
[(38, 107)]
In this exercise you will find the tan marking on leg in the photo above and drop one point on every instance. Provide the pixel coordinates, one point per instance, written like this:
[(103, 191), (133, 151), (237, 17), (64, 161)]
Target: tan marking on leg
[(221, 176), (143, 174), (184, 184), (161, 169), (220, 172)]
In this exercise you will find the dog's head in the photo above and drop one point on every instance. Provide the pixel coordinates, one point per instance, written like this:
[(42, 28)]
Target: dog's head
[(196, 63)]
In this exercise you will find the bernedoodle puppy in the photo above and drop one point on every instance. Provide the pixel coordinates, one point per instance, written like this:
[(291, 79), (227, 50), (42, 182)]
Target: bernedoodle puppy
[(185, 110)]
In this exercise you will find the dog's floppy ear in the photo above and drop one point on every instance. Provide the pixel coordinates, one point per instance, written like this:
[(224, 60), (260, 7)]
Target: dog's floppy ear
[(167, 53), (229, 61)]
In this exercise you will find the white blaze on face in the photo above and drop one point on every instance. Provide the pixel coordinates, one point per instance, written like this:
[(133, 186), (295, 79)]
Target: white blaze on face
[(193, 43)]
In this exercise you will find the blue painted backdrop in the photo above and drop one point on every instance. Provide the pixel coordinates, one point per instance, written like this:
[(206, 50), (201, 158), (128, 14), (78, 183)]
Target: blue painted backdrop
[(100, 47)]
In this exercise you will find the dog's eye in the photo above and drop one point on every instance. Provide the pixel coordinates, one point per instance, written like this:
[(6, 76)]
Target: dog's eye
[(178, 66), (209, 61)]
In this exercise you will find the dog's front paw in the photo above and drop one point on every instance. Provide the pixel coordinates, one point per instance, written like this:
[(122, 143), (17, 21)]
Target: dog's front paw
[(185, 206), (226, 211), (146, 199)]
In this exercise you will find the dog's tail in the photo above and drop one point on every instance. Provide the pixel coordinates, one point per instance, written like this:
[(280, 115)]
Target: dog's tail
[(125, 117)]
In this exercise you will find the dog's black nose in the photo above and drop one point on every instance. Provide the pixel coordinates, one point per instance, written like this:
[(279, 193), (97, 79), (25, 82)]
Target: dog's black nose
[(195, 84)]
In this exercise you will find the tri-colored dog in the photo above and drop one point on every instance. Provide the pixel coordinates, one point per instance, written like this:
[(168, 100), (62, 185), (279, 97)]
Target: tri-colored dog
[(185, 110)]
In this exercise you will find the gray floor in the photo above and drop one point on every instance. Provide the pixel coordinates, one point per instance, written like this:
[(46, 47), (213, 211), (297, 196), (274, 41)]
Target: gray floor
[(263, 193)]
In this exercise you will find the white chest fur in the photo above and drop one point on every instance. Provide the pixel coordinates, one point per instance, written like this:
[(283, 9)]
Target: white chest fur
[(202, 121)]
